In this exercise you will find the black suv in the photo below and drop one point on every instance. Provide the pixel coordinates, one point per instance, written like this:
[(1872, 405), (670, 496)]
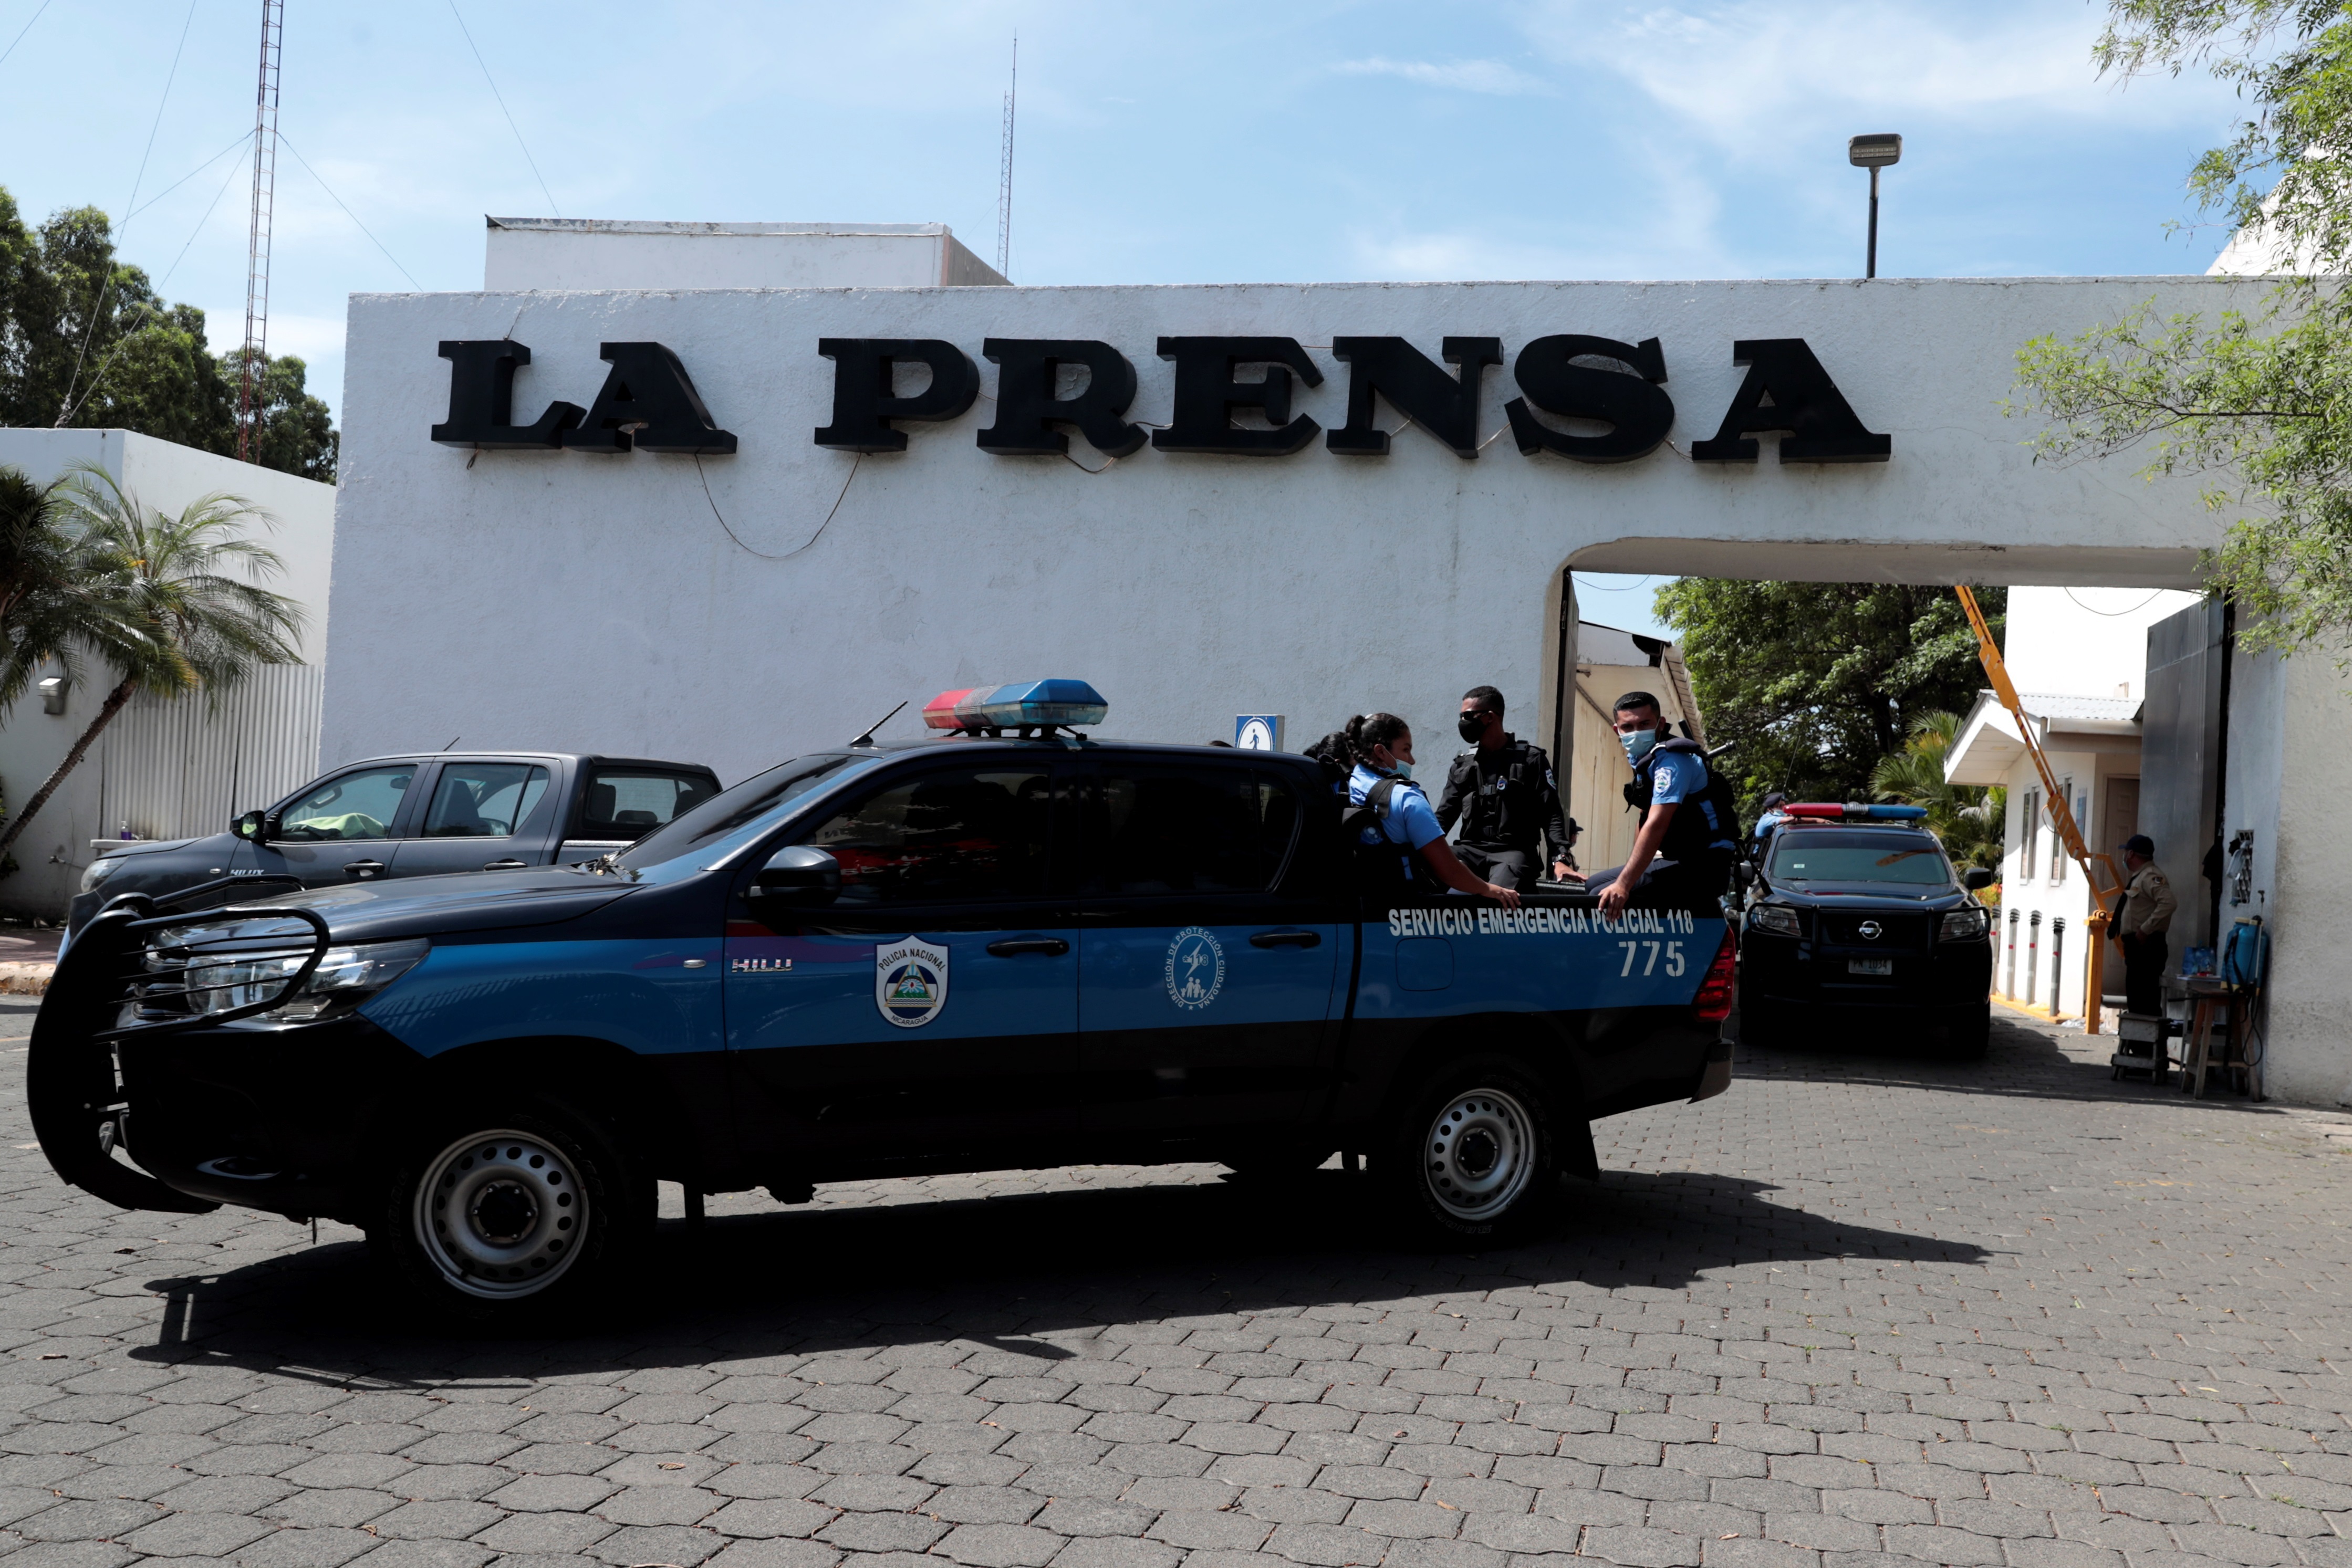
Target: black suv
[(1860, 923)]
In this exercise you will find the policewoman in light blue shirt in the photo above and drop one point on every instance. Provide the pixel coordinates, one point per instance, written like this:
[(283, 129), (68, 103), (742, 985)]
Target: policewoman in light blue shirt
[(1381, 746)]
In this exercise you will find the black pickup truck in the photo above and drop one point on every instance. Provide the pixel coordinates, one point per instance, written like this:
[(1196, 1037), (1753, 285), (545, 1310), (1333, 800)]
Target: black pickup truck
[(423, 815)]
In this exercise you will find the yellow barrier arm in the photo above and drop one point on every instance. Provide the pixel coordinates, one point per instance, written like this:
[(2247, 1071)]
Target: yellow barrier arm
[(2062, 814)]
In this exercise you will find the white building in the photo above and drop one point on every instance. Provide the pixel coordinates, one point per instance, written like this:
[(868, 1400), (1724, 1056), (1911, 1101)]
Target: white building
[(166, 770), (2078, 658)]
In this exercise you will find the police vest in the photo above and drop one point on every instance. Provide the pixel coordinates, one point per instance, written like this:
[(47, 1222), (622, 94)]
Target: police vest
[(1509, 810), (1384, 868), (1688, 837)]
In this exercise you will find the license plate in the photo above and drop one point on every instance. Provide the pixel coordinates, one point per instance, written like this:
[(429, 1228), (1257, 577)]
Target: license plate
[(1869, 966)]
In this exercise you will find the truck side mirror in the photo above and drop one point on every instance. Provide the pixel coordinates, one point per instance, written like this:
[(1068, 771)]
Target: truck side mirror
[(249, 827), (1976, 879), (797, 876), (1743, 875)]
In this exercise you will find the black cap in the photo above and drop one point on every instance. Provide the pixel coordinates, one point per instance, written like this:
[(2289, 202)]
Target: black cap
[(2140, 844)]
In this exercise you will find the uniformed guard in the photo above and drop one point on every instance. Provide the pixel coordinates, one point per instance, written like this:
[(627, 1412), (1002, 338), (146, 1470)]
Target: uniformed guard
[(1504, 793), (1690, 833), (1398, 831), (2142, 914)]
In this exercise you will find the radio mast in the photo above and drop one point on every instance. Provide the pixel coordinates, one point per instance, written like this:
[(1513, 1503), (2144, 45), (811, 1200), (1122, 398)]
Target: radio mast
[(1005, 173), (257, 259)]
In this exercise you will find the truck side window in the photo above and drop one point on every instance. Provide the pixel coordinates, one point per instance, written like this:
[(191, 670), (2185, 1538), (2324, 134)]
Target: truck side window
[(360, 805), (630, 803), (967, 833), (1187, 829), (483, 799)]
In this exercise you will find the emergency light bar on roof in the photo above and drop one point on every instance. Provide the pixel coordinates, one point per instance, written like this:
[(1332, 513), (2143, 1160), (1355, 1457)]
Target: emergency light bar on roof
[(1855, 812), (1025, 705)]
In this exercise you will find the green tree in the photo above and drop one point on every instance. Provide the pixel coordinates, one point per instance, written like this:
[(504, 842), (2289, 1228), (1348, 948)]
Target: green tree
[(164, 604), (1968, 818), (1818, 681), (85, 340), (2259, 402)]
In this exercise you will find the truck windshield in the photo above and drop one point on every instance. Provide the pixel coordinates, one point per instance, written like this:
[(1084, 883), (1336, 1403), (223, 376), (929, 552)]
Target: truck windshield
[(717, 827), (1809, 855)]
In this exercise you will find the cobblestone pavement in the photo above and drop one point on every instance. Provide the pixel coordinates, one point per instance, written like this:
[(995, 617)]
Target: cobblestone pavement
[(2003, 1312)]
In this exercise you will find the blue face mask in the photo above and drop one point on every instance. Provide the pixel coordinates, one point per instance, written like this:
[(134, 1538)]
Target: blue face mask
[(1404, 771), (1638, 744)]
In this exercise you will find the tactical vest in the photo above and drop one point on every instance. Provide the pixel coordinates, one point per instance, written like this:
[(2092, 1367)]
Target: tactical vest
[(1384, 868), (1688, 837), (1511, 815)]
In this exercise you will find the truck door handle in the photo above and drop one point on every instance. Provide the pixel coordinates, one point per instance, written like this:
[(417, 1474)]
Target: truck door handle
[(510, 864), (1005, 947), (362, 868), (1287, 940)]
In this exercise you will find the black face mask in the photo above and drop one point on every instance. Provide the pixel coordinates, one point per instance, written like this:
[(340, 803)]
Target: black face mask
[(1472, 725)]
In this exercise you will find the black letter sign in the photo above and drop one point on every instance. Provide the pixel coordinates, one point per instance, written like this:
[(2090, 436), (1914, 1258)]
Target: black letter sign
[(1207, 394), (1805, 404), (1445, 407), (1026, 403), (862, 404), (647, 401), (1547, 373), (481, 400)]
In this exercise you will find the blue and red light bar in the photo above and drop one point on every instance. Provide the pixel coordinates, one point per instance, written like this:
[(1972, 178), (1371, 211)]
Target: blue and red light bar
[(1854, 812), (1022, 704)]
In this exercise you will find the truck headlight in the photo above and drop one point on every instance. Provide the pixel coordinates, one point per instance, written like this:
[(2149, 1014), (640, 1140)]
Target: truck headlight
[(1777, 918), (1962, 924), (345, 979), (98, 869)]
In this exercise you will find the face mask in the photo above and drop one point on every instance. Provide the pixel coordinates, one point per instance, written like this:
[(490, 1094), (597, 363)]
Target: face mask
[(1404, 771), (1472, 725), (1638, 744)]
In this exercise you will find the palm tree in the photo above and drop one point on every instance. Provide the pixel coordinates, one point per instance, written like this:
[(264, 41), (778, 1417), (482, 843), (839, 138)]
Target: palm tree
[(154, 597), (1968, 818), (44, 598)]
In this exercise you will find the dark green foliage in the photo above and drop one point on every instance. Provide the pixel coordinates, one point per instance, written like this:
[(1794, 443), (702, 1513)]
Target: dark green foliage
[(84, 333), (1820, 681)]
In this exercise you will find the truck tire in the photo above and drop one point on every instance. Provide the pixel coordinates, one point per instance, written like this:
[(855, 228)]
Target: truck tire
[(522, 1213), (1474, 1155)]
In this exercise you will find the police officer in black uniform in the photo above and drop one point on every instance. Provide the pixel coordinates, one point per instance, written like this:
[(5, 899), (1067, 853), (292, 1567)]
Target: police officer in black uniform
[(1504, 793)]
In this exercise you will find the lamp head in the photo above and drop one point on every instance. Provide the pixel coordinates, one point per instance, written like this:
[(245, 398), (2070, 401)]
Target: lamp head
[(1879, 150)]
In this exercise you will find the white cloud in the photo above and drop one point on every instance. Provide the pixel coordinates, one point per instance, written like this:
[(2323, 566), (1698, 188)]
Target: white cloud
[(1491, 76), (1748, 75)]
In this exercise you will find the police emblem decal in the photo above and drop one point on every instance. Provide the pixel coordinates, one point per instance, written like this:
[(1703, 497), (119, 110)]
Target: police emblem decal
[(1195, 970), (911, 982)]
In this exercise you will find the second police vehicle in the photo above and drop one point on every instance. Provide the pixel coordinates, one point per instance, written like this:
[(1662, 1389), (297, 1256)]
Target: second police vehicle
[(1015, 945), (1856, 918)]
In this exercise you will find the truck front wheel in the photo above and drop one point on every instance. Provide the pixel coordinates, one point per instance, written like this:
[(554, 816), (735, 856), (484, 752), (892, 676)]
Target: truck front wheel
[(1475, 1153), (517, 1215)]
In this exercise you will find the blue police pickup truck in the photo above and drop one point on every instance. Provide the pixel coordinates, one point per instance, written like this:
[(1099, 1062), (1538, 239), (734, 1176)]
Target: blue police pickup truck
[(1014, 946)]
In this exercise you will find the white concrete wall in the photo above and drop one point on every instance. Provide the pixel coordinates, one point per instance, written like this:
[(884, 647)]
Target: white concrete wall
[(2085, 642), (544, 254), (2058, 890), (2290, 750), (563, 600), (55, 845)]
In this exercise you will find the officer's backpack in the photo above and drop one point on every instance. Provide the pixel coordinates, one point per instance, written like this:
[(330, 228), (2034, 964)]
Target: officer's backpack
[(1717, 793), (1383, 867)]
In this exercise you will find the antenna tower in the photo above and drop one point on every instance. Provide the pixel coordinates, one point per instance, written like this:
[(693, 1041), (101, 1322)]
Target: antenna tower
[(257, 259), (1005, 173)]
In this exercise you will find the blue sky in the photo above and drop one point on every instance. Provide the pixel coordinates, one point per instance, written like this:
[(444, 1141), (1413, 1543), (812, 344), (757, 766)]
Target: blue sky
[(1195, 144)]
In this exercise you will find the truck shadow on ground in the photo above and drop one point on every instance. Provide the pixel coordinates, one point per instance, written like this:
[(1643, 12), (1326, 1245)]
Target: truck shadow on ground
[(2024, 1060), (1019, 1273)]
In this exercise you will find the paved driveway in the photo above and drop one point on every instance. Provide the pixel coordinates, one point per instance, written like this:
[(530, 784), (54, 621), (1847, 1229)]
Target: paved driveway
[(2001, 1313)]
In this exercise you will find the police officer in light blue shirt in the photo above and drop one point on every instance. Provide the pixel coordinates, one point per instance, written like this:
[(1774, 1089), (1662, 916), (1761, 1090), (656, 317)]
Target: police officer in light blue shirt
[(1381, 746), (1682, 856)]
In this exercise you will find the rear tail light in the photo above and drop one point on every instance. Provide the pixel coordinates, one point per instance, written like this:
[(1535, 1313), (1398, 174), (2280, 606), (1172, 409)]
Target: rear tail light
[(1713, 1004)]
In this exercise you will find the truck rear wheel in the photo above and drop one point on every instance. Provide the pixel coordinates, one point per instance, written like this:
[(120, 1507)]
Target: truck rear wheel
[(1475, 1154), (521, 1214)]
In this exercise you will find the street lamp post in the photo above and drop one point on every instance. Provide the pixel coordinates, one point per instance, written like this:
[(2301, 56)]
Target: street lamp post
[(1877, 151)]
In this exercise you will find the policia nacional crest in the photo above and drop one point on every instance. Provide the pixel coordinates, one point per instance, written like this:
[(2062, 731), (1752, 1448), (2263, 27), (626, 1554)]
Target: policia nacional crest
[(911, 982)]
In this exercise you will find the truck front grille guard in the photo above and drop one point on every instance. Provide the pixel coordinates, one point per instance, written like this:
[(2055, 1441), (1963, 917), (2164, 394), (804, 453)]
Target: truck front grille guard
[(170, 986), (74, 1086)]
